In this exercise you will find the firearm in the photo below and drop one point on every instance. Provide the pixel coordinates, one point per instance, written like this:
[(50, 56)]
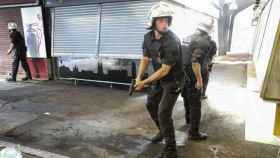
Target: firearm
[(133, 82)]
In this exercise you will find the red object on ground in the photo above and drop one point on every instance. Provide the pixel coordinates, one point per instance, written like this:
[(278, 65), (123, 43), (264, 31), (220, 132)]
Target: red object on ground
[(38, 68)]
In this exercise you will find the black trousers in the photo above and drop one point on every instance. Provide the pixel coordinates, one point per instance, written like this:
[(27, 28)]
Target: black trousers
[(206, 76), (192, 103), (15, 65), (160, 104)]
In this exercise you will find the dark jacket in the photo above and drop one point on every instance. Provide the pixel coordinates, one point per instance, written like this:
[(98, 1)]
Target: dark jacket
[(196, 51), (166, 50), (19, 43)]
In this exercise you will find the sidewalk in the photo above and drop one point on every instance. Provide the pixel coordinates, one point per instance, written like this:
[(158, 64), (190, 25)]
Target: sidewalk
[(99, 122)]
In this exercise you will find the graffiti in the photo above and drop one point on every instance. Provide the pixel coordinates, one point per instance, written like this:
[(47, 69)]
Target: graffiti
[(116, 70), (34, 38), (34, 32)]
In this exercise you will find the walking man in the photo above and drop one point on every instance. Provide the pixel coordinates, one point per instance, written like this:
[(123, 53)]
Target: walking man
[(18, 51), (164, 48)]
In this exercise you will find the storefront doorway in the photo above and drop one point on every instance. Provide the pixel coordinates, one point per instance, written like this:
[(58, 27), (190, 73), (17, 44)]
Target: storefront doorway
[(7, 15)]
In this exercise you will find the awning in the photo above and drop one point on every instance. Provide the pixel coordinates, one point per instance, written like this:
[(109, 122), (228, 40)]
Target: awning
[(59, 3), (18, 3)]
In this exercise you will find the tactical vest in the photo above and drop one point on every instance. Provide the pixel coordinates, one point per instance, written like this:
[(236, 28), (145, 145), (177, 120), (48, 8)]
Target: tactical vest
[(188, 45)]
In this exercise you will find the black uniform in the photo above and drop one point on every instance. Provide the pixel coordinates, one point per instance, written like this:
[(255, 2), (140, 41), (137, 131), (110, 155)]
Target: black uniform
[(210, 55), (19, 54), (199, 45), (164, 93)]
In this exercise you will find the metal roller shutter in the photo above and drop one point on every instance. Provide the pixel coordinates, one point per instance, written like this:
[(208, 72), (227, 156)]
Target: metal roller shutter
[(123, 27), (76, 30), (6, 16)]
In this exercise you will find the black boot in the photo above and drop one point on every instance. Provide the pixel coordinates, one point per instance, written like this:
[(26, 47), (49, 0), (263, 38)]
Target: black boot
[(157, 139), (170, 149), (198, 136), (11, 80), (204, 97), (26, 78)]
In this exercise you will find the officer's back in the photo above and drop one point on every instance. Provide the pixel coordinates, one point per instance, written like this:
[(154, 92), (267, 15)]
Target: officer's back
[(199, 42)]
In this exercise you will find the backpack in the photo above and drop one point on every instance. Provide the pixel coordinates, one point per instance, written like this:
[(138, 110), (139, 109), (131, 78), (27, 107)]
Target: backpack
[(204, 43)]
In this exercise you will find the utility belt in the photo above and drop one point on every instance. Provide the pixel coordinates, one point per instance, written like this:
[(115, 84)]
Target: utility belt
[(176, 84)]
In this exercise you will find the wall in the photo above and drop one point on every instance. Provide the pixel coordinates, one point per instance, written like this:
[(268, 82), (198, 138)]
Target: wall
[(243, 32), (203, 6), (186, 22), (264, 38), (271, 85), (263, 54), (277, 121)]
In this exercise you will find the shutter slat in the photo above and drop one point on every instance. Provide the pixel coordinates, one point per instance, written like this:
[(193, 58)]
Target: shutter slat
[(123, 27), (75, 30)]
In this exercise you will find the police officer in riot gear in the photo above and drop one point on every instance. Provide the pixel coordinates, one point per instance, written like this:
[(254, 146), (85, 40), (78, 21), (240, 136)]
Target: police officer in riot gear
[(164, 48), (196, 69), (18, 50)]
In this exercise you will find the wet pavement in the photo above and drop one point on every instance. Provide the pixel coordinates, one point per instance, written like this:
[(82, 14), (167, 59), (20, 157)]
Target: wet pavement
[(86, 121)]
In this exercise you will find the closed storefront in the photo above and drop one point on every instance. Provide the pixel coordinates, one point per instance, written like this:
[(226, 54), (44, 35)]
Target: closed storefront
[(27, 14), (76, 30), (7, 15), (98, 40), (123, 27)]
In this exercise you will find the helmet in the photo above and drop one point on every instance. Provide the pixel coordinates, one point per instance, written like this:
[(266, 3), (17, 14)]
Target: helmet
[(206, 26), (12, 26), (159, 10)]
